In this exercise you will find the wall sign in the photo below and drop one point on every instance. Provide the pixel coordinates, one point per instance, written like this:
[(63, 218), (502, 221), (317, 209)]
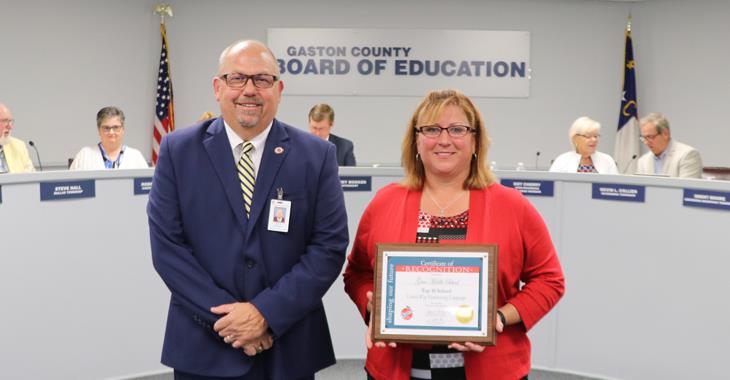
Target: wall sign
[(402, 62)]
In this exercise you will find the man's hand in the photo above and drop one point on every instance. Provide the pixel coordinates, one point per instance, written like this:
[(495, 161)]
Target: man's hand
[(262, 344), (242, 325)]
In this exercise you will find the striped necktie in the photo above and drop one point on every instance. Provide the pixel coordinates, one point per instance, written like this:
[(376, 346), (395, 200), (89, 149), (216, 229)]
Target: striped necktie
[(247, 176)]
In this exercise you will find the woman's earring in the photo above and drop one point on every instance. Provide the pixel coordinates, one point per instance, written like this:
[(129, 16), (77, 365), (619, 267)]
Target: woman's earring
[(418, 157)]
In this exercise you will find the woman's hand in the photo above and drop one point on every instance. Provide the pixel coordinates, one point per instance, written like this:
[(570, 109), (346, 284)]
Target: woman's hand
[(469, 346), (498, 323), (466, 347), (368, 336)]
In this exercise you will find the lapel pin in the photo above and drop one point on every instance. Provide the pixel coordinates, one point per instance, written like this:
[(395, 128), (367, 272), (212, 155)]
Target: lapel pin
[(278, 150)]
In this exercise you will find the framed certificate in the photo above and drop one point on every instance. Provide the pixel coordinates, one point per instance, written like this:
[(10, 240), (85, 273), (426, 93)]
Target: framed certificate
[(435, 293)]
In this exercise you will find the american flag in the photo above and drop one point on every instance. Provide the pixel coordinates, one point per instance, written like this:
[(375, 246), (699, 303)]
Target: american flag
[(164, 114)]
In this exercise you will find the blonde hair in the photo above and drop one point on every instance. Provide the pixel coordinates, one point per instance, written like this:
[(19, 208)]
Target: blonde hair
[(480, 176), (206, 116), (322, 112)]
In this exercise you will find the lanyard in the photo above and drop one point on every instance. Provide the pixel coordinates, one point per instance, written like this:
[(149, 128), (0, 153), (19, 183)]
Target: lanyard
[(108, 163)]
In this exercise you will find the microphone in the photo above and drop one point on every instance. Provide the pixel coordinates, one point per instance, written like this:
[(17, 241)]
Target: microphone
[(40, 165), (628, 165), (537, 157)]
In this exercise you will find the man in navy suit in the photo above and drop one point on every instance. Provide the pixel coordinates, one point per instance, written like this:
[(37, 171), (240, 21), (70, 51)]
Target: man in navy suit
[(246, 294), (321, 120)]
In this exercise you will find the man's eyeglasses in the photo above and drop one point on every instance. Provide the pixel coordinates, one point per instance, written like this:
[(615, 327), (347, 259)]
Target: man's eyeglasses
[(238, 81), (6, 122), (588, 137), (645, 138), (110, 129), (432, 131)]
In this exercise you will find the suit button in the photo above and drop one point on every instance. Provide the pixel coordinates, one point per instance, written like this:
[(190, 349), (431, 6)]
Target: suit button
[(250, 263)]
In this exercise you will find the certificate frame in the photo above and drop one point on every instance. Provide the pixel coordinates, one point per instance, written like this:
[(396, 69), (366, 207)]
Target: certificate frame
[(451, 272)]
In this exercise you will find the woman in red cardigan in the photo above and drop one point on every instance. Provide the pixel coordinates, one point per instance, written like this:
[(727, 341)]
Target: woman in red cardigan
[(449, 195)]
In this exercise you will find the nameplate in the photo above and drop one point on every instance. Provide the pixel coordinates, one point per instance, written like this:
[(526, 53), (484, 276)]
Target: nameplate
[(619, 192), (356, 183), (142, 185), (51, 191), (535, 188), (719, 200)]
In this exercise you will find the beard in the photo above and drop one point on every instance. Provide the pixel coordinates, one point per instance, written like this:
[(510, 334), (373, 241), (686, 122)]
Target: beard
[(4, 139), (248, 121), (249, 118)]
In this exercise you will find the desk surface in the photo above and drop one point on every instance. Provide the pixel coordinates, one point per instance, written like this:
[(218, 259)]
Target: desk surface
[(645, 281)]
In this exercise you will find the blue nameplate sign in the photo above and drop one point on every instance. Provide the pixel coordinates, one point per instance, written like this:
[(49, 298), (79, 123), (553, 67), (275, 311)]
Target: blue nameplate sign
[(531, 187), (706, 198), (619, 192), (356, 183), (142, 185), (51, 191)]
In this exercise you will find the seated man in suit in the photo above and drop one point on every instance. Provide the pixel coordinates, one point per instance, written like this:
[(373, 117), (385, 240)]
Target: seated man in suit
[(666, 156), (246, 292), (321, 120), (14, 156)]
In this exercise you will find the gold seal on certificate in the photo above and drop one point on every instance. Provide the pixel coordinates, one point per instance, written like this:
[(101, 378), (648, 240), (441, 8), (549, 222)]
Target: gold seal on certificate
[(464, 314), (435, 293)]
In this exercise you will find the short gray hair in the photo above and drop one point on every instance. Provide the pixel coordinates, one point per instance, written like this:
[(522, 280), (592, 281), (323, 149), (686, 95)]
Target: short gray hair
[(658, 120), (583, 125), (108, 112)]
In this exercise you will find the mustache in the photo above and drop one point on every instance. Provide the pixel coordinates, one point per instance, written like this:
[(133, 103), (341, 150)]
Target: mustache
[(252, 99)]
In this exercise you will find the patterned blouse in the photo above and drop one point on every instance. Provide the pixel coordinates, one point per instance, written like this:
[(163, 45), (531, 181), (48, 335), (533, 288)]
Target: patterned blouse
[(432, 229), (440, 362), (587, 169)]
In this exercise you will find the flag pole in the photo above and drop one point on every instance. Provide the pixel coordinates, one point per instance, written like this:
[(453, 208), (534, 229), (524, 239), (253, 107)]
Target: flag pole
[(164, 121), (163, 9), (628, 23), (627, 145)]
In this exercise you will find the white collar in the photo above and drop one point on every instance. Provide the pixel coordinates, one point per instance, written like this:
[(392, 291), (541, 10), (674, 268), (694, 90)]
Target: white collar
[(258, 141)]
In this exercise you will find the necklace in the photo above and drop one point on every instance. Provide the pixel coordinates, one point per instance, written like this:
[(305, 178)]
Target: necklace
[(442, 210)]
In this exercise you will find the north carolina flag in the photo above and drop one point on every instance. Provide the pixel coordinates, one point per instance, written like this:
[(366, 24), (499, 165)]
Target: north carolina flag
[(164, 115), (626, 146)]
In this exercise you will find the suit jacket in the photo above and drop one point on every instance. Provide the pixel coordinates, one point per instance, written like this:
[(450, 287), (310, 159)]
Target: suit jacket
[(208, 253), (16, 155), (682, 160), (497, 215), (345, 150)]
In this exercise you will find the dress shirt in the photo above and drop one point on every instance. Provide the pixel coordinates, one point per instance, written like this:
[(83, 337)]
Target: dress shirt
[(259, 141)]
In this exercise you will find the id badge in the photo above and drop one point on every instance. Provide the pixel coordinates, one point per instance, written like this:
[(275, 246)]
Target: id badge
[(279, 212)]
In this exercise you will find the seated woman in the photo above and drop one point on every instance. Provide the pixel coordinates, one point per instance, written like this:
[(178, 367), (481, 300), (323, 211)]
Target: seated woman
[(449, 196), (584, 135), (110, 153)]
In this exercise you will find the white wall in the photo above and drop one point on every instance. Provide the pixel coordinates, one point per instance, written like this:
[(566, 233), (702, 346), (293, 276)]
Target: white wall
[(62, 61)]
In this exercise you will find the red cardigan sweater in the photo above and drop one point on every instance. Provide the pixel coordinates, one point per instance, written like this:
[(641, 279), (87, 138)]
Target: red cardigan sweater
[(497, 215)]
